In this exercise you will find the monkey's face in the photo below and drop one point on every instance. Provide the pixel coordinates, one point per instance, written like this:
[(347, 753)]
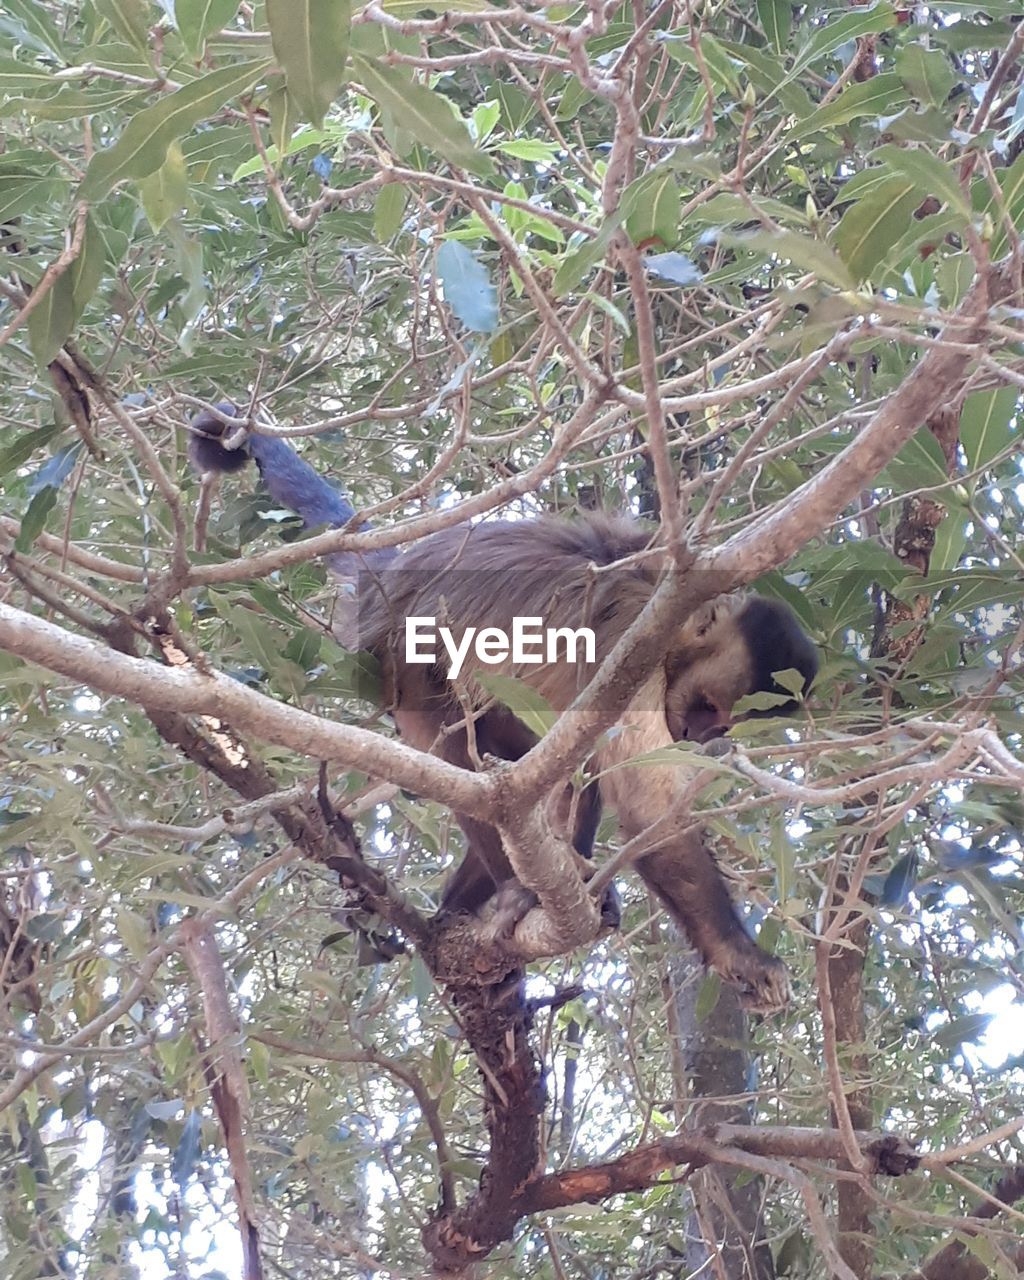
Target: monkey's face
[(726, 651)]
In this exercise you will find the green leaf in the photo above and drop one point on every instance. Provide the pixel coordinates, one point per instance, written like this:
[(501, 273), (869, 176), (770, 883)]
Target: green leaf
[(866, 21), (517, 109), (389, 211), (985, 428), (23, 186), (575, 265), (87, 269), (804, 251), (116, 55), (302, 141), (880, 96), (427, 116), (768, 76), (282, 113), (198, 19), (918, 124), (18, 452), (29, 22), (262, 642), (68, 103), (573, 98), (188, 255), (1011, 184), (960, 1031), (215, 150), (467, 287), (762, 701), (651, 209), (50, 324), (721, 67), (931, 175), (613, 313), (872, 224), (776, 17), (525, 703), (784, 856), (918, 465), (532, 149), (129, 19), (954, 275), (142, 147), (790, 679), (727, 208), (165, 193), (33, 522), (15, 75), (311, 40), (950, 541), (926, 73), (485, 117)]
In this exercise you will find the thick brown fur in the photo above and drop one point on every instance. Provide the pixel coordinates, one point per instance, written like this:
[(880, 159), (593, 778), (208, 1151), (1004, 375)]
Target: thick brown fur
[(597, 572), (565, 572)]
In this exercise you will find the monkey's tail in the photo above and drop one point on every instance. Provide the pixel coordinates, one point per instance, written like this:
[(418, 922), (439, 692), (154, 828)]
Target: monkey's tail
[(292, 482)]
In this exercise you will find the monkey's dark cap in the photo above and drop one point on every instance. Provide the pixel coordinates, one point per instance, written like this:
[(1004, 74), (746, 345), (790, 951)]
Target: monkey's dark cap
[(776, 642)]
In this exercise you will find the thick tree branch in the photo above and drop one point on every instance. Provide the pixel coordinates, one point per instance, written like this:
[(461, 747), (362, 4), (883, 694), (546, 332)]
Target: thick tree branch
[(480, 1226), (183, 689)]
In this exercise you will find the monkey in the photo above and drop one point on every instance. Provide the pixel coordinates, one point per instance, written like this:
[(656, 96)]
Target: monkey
[(597, 570)]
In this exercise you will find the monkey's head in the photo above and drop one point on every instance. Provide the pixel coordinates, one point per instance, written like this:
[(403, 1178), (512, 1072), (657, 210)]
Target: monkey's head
[(726, 651), (205, 451)]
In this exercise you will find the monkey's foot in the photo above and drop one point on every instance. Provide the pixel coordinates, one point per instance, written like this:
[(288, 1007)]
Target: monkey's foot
[(761, 979)]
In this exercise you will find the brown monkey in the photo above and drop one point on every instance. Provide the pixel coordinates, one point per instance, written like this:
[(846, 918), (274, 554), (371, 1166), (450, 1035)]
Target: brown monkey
[(562, 571)]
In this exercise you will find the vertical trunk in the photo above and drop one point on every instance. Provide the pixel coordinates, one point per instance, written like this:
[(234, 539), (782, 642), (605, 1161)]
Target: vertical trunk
[(846, 978), (725, 1231)]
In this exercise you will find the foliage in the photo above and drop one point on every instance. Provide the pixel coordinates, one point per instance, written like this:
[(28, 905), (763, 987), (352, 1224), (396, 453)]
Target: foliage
[(412, 237)]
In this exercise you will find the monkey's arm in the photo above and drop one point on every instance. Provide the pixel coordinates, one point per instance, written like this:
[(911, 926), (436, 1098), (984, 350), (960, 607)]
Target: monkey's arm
[(679, 869)]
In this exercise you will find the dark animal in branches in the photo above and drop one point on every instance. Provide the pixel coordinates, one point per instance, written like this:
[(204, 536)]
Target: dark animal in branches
[(595, 571)]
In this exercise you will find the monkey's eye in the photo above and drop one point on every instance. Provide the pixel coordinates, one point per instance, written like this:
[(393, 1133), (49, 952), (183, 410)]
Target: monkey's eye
[(703, 721)]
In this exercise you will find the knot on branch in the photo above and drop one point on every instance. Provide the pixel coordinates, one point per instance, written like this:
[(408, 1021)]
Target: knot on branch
[(461, 956)]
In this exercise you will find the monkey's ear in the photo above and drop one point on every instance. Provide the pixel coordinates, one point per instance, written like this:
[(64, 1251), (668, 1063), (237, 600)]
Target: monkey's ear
[(205, 451)]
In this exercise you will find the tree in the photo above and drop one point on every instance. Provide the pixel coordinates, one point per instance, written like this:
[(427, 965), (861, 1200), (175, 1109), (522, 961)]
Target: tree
[(752, 271)]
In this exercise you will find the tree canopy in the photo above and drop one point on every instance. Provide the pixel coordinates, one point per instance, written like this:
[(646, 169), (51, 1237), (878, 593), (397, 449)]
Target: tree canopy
[(752, 272)]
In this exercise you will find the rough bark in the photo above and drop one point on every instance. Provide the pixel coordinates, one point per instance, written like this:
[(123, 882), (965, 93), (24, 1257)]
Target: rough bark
[(728, 1209)]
